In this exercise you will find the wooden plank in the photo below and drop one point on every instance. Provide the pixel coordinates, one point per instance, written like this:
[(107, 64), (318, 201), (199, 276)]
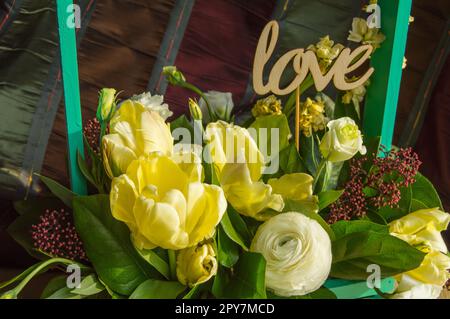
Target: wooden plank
[(382, 96), (68, 47)]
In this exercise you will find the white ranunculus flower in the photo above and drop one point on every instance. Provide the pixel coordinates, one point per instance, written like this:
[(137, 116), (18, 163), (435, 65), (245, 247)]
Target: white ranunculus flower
[(221, 104), (297, 251), (154, 103), (342, 140)]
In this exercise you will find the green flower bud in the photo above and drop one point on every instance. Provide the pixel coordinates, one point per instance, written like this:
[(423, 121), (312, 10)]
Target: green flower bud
[(106, 104), (173, 75), (195, 110)]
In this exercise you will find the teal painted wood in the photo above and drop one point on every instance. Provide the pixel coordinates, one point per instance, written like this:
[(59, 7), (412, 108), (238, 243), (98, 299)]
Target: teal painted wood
[(69, 64), (348, 289), (382, 96)]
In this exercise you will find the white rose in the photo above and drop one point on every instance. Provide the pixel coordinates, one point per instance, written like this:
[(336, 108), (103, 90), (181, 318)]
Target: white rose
[(342, 141), (154, 103), (221, 104), (297, 251)]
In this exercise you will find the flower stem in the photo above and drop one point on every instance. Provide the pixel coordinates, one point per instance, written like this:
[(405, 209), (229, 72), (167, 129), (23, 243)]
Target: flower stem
[(172, 264)]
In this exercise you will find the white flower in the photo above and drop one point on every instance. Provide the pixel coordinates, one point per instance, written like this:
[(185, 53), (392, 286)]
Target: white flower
[(410, 288), (221, 104), (342, 141), (154, 103), (297, 251)]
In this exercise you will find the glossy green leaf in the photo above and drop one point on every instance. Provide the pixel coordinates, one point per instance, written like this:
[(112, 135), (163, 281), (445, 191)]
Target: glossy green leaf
[(89, 286), (352, 254), (424, 194), (235, 228), (158, 289), (267, 123), (327, 198), (156, 261), (248, 280), (60, 191), (290, 160), (343, 227), (227, 250), (109, 247)]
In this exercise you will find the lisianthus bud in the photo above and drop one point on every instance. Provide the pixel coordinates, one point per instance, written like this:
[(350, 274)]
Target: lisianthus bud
[(342, 141), (221, 104), (106, 104), (173, 75), (297, 251), (196, 265), (195, 110)]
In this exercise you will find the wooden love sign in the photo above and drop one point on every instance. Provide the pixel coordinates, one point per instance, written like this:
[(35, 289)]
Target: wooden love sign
[(304, 62)]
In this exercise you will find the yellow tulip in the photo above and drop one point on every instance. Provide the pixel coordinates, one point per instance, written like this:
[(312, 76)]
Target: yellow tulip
[(134, 131), (422, 227), (196, 265), (239, 165), (427, 280), (172, 212)]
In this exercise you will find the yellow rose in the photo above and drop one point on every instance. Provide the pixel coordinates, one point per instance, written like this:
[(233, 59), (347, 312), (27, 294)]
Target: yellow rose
[(134, 131), (422, 228), (165, 204), (239, 165), (196, 265)]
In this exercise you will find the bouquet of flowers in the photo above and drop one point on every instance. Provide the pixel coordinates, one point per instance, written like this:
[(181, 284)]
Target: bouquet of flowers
[(232, 206)]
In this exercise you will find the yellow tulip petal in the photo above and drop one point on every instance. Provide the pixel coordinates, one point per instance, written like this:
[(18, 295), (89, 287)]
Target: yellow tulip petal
[(296, 186), (122, 197), (116, 156)]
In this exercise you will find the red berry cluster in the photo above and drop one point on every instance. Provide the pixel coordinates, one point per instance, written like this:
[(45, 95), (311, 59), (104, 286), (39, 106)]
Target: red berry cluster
[(55, 235), (92, 131), (384, 177)]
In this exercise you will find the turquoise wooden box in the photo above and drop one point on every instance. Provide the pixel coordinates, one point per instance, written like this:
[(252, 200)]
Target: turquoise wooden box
[(379, 113)]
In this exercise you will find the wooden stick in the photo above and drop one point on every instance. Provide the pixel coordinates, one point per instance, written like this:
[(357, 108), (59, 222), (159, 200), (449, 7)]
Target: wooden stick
[(297, 118)]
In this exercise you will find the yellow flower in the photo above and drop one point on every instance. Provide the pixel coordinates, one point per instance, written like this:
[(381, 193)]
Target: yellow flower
[(361, 33), (239, 165), (342, 141), (422, 228), (312, 116), (165, 204), (196, 265), (297, 187), (426, 280), (267, 106), (134, 131), (326, 51)]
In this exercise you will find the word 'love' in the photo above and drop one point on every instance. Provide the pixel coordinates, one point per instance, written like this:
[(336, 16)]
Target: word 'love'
[(304, 62)]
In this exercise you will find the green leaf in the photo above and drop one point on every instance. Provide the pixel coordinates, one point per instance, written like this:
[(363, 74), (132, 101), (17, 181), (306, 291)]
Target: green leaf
[(345, 110), (327, 198), (89, 286), (227, 250), (158, 289), (321, 293), (61, 192), (182, 122), (248, 281), (424, 194), (156, 261), (352, 254), (54, 285), (290, 160), (197, 291), (64, 293), (270, 122), (84, 169), (310, 153), (343, 228), (235, 228), (221, 282), (108, 245), (295, 206)]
